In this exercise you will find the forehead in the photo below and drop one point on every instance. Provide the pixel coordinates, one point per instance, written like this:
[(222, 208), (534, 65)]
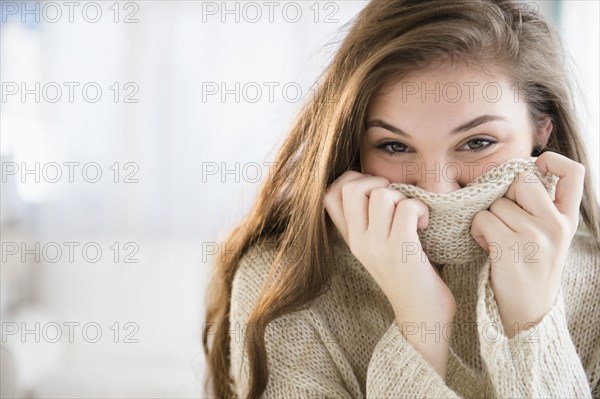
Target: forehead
[(447, 94)]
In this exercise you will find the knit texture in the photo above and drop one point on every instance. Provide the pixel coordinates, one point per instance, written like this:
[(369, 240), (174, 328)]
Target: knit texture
[(447, 237), (346, 342)]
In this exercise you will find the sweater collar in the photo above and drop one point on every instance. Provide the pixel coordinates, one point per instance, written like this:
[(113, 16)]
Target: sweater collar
[(447, 239)]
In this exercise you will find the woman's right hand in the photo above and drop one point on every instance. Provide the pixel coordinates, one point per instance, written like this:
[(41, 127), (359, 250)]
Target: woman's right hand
[(380, 227)]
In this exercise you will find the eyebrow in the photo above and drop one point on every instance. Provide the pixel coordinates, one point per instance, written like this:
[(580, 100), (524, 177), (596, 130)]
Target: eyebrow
[(480, 120)]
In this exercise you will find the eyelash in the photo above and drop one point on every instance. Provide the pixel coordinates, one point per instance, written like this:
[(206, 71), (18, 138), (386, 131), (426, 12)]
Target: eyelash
[(381, 147)]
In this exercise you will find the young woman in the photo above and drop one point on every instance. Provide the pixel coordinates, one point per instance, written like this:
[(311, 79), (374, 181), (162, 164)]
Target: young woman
[(315, 296)]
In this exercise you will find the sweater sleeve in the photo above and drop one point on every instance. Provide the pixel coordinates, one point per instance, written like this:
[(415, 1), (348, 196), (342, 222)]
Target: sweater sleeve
[(462, 378), (540, 361), (397, 369)]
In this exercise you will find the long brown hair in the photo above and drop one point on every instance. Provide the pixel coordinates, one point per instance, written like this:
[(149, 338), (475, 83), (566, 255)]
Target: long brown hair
[(387, 38)]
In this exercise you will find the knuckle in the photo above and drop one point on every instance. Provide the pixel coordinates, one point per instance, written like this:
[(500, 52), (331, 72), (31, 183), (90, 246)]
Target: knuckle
[(379, 192), (382, 181), (349, 174), (493, 207), (563, 229), (539, 239), (347, 188), (346, 177), (397, 194), (409, 205), (481, 215), (404, 206), (330, 198), (555, 219), (384, 194), (328, 201), (496, 205), (558, 224)]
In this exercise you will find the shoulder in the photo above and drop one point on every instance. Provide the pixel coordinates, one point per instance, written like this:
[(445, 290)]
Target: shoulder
[(256, 262), (352, 294), (346, 272), (251, 273)]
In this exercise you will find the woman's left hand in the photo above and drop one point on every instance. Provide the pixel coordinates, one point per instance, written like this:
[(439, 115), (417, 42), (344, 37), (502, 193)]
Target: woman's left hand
[(528, 238)]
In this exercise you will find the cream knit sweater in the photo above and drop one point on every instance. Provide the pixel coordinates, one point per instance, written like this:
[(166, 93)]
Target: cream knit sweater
[(346, 344)]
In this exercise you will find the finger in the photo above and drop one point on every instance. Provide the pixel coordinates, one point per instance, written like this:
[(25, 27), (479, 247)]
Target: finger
[(528, 192), (511, 214), (382, 205), (355, 201), (333, 201), (411, 214), (485, 227), (569, 189)]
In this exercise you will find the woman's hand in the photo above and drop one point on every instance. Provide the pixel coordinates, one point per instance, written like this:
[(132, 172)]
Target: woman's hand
[(380, 227), (528, 238)]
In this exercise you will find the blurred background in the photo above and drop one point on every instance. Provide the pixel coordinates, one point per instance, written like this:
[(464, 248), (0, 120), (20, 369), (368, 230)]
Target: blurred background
[(134, 135)]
